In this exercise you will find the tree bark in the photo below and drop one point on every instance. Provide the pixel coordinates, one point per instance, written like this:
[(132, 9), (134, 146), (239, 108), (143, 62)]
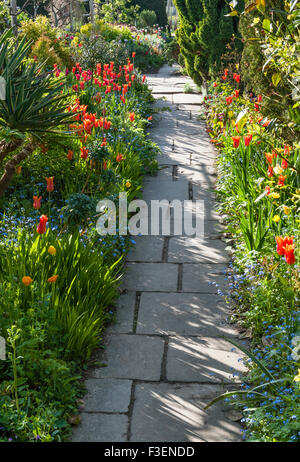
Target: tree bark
[(7, 148), (11, 165), (14, 16)]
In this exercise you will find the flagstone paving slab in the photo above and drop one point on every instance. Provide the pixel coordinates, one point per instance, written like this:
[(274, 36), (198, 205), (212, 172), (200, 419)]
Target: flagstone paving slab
[(182, 314), (124, 314), (166, 190), (196, 250), (146, 249), (132, 357), (203, 277), (174, 413), (153, 277), (101, 428), (202, 359), (107, 395)]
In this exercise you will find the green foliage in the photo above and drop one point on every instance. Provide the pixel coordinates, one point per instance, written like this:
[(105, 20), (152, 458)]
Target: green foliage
[(4, 15), (203, 34), (40, 30), (158, 6), (147, 18), (101, 50), (270, 62), (78, 210), (119, 11)]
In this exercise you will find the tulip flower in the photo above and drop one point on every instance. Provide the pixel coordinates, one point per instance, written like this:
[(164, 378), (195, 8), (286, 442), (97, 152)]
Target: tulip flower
[(26, 280), (41, 228), (119, 158), (84, 153), (282, 242), (248, 139), (52, 250), (131, 116), (50, 184), (236, 141), (281, 180), (37, 202), (53, 279), (269, 157), (70, 154), (289, 254)]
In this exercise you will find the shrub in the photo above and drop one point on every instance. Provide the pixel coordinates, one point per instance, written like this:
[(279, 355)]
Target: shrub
[(147, 18), (203, 34), (39, 28), (158, 6)]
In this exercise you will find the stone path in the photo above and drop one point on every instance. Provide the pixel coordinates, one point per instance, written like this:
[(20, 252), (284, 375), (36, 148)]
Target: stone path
[(164, 360)]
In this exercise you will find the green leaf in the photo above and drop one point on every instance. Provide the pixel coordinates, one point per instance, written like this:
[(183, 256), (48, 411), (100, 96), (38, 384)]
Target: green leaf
[(276, 78), (232, 13), (266, 24)]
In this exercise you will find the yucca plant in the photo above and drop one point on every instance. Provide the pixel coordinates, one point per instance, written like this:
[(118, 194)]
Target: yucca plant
[(33, 109)]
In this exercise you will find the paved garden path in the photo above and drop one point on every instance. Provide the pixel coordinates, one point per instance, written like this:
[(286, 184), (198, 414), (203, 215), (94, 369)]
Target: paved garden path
[(164, 359)]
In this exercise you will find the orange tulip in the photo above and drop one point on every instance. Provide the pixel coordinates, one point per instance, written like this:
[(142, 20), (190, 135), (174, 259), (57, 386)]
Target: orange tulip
[(37, 202), (53, 279), (26, 280), (50, 184)]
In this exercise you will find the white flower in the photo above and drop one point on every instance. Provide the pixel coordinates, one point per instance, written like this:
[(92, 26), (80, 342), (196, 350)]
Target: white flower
[(296, 340), (278, 170)]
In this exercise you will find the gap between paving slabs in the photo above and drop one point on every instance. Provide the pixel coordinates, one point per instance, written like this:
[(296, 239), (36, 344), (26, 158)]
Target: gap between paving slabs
[(164, 360)]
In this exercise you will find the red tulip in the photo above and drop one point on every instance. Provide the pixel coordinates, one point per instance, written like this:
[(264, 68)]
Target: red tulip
[(248, 139), (289, 254), (41, 228), (37, 202), (84, 153), (281, 180), (282, 242), (50, 184), (236, 141)]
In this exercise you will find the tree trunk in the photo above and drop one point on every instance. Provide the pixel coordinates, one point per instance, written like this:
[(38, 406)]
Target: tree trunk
[(92, 12), (11, 165), (13, 14), (7, 148)]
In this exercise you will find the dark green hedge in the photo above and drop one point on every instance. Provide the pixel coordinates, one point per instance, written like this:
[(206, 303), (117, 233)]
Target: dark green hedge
[(159, 6), (203, 35)]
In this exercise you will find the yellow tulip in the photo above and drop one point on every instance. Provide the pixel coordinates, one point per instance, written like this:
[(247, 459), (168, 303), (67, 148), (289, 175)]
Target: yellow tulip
[(276, 218), (52, 250)]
